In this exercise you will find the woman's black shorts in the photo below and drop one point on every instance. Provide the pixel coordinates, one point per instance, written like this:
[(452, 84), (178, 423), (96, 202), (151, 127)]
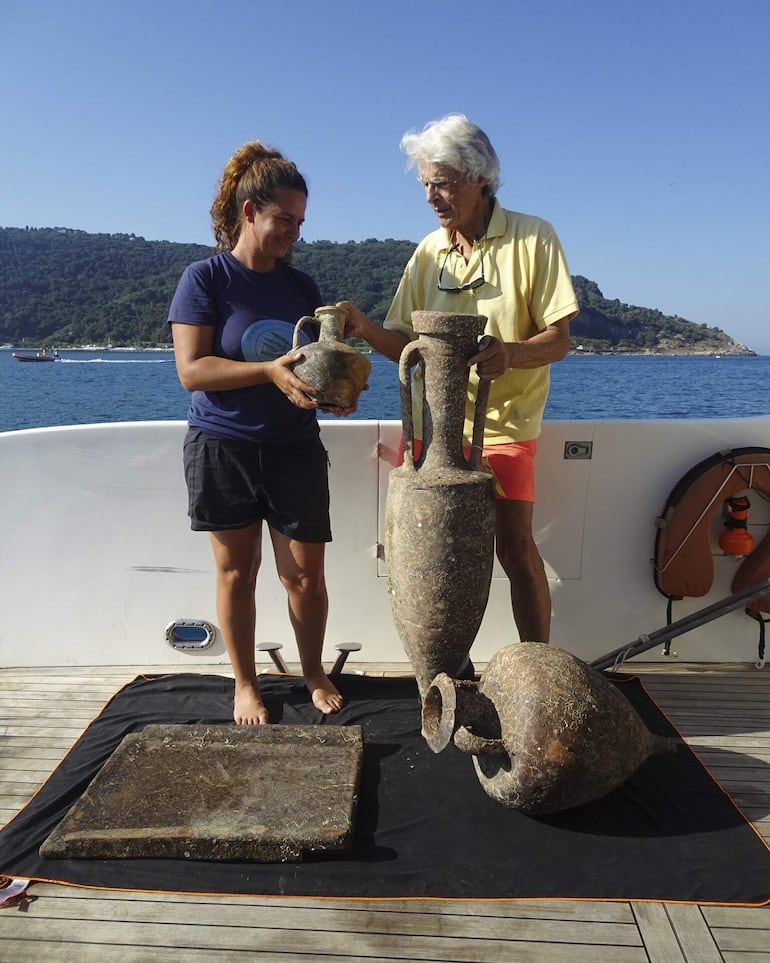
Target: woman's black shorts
[(233, 484)]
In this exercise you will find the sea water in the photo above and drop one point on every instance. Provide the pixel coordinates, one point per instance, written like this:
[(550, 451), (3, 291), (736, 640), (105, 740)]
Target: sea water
[(88, 387)]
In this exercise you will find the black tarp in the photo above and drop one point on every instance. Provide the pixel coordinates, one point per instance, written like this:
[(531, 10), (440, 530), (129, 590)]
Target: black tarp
[(424, 826)]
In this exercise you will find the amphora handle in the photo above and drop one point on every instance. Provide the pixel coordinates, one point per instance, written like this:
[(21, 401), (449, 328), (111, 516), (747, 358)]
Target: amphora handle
[(479, 417), (455, 710), (298, 328), (405, 363), (475, 745)]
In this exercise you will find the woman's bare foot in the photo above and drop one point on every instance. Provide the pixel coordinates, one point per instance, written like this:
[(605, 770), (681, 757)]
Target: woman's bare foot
[(248, 708), (324, 693)]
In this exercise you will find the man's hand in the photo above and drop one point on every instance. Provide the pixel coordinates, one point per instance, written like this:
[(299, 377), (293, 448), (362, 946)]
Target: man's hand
[(357, 325), (493, 358)]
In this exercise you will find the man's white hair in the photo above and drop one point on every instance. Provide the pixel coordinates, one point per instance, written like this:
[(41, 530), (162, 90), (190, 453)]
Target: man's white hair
[(455, 142)]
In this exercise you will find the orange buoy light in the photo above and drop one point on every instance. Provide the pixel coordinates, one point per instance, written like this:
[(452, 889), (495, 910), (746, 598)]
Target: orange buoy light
[(736, 539)]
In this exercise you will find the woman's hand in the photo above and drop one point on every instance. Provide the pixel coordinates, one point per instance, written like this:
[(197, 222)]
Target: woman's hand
[(296, 390), (338, 411)]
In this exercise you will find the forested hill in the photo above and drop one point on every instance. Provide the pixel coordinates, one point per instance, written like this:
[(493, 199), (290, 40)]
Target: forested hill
[(63, 288)]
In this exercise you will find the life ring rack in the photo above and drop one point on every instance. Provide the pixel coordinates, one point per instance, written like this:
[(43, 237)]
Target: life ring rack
[(683, 563)]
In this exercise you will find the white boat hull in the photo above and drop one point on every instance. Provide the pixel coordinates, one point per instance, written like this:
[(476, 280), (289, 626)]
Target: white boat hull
[(98, 557)]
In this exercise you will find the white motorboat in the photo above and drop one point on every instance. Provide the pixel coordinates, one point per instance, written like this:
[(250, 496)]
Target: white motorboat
[(101, 579), (99, 560)]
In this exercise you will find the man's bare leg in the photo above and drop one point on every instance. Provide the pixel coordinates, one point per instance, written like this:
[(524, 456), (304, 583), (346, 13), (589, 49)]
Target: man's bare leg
[(301, 570), (237, 555), (520, 558)]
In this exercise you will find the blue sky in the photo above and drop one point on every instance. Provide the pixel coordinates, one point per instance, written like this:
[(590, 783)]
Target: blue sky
[(641, 130)]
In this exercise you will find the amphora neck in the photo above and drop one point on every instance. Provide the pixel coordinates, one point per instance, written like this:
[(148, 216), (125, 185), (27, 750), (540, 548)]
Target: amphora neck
[(446, 342)]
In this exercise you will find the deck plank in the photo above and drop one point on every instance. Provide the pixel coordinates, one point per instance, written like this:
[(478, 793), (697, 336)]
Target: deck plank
[(658, 934), (722, 711), (692, 933), (441, 922)]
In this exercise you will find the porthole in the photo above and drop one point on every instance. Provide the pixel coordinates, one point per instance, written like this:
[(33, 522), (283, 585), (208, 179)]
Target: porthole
[(187, 635)]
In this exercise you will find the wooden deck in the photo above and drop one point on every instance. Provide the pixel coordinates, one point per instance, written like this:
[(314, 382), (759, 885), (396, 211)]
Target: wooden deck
[(716, 707)]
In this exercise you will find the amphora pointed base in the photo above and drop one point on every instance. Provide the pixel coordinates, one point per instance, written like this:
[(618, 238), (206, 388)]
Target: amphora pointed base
[(547, 732)]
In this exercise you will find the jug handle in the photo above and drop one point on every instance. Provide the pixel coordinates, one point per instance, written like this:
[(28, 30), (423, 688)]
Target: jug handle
[(479, 417), (405, 363), (298, 328)]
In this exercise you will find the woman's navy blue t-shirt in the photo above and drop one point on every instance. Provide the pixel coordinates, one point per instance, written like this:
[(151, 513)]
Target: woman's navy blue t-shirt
[(254, 314)]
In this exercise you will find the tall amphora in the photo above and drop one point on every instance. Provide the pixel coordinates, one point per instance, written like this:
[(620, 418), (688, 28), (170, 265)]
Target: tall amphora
[(439, 519)]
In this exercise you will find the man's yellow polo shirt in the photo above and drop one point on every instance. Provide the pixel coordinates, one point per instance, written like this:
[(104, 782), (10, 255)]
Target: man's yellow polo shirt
[(527, 287)]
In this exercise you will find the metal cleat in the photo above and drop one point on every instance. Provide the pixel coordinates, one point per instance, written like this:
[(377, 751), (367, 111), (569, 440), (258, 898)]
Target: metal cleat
[(344, 649), (272, 650)]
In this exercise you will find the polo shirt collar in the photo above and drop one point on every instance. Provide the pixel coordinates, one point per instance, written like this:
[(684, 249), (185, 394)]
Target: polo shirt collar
[(498, 225)]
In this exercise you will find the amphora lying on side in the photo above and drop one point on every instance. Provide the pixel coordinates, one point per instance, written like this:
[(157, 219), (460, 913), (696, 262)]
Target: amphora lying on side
[(547, 732)]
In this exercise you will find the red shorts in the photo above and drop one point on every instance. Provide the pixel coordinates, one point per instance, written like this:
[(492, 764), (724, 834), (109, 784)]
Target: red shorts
[(512, 465)]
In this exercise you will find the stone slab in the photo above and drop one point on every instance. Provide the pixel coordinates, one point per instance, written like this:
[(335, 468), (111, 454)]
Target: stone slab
[(218, 792)]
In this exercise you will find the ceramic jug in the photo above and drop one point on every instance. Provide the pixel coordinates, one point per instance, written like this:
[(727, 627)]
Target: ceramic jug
[(336, 370), (439, 519)]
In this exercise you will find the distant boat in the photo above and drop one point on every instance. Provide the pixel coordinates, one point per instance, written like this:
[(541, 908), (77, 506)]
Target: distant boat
[(36, 355)]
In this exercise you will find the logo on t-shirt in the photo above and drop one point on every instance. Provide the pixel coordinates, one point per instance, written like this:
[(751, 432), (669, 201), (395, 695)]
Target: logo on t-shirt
[(268, 339)]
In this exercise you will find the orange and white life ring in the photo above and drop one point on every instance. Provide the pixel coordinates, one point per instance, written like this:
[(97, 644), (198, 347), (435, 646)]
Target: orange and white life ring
[(683, 562)]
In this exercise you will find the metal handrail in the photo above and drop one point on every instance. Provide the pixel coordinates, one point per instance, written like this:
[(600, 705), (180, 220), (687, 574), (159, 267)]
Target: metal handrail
[(701, 617)]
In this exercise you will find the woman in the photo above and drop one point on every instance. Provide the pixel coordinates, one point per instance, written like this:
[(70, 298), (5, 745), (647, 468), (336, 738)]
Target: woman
[(253, 451), (509, 267)]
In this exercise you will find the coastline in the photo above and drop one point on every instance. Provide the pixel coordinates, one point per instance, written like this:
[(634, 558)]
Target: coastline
[(95, 347), (655, 353), (577, 351)]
